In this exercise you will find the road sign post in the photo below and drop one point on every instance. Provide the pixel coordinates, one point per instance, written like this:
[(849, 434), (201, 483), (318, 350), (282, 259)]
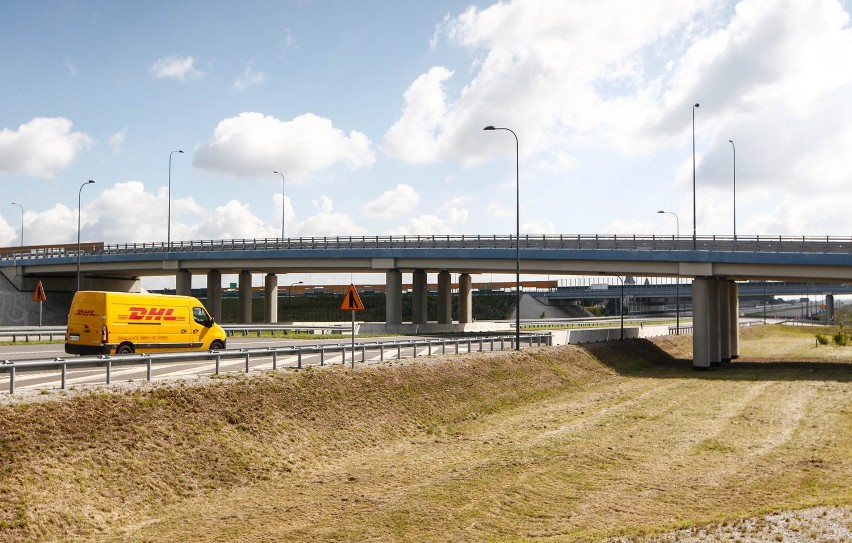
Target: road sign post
[(352, 302), (38, 296)]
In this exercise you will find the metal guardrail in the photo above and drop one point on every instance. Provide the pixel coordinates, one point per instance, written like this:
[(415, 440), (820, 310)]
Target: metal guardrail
[(767, 244), (53, 333), (432, 345)]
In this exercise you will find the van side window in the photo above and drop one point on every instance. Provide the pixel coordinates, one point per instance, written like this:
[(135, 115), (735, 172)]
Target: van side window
[(200, 316)]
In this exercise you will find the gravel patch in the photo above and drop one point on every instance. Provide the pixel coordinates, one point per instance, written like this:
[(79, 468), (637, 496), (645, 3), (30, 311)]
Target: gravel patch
[(815, 525)]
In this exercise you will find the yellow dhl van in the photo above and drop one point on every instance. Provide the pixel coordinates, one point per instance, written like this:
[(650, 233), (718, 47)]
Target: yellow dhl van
[(123, 323)]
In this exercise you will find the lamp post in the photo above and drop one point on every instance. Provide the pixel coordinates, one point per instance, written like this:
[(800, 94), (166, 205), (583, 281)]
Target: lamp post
[(79, 196), (169, 222), (694, 222), (621, 307), (735, 188), (283, 214), (677, 278), (22, 221), (289, 297), (517, 235)]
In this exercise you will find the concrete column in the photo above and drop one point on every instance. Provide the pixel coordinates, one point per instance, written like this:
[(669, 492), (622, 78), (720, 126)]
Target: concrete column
[(419, 295), (715, 351), (465, 299), (700, 324), (393, 297), (724, 320), (829, 307), (214, 294), (244, 310), (270, 298), (445, 298), (183, 283), (734, 319)]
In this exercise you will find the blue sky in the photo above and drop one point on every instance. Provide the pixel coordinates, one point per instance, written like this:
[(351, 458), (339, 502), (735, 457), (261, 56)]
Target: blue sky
[(373, 110)]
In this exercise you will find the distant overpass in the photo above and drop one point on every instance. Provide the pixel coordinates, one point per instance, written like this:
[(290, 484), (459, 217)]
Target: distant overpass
[(714, 263)]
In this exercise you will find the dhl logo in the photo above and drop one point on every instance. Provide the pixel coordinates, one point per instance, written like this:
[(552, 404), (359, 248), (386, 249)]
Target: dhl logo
[(151, 314), (85, 313)]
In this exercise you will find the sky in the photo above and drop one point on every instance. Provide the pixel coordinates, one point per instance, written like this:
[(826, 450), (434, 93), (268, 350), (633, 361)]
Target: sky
[(373, 111)]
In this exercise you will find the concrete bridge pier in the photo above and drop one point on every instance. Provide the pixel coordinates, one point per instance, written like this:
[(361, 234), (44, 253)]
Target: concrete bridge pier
[(419, 294), (829, 307), (270, 298), (393, 297), (465, 299), (734, 319), (214, 294), (183, 283), (715, 316), (445, 298), (724, 320), (244, 300)]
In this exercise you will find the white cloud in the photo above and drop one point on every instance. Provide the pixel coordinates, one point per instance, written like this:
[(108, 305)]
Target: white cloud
[(448, 220), (41, 147), (328, 223), (249, 78), (116, 141), (392, 203), (253, 144), (176, 67), (416, 135)]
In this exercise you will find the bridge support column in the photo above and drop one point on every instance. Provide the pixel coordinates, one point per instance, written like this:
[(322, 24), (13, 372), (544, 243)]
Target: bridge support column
[(445, 298), (270, 298), (214, 294), (700, 324), (829, 307), (183, 283), (244, 309), (724, 320), (734, 319), (715, 350), (465, 299), (419, 294), (393, 297)]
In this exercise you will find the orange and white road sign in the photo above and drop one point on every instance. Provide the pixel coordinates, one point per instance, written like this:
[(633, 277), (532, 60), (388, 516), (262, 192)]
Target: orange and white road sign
[(351, 300), (38, 295)]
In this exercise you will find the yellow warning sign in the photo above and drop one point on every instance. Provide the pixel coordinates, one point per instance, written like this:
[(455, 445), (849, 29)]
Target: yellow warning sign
[(351, 300), (38, 295)]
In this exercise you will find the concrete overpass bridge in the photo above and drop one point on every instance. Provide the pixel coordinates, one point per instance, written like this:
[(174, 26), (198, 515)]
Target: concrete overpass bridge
[(714, 263)]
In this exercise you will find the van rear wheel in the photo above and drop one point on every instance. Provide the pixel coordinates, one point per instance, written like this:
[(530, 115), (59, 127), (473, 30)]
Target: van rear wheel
[(124, 348)]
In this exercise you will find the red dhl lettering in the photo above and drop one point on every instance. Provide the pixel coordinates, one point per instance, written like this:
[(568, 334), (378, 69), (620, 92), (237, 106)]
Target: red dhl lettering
[(151, 314), (85, 313)]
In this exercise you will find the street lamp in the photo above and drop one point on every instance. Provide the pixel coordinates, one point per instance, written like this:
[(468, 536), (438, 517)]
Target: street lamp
[(517, 235), (735, 188), (169, 227), (694, 222), (677, 277), (620, 304), (289, 297), (22, 221), (283, 214), (79, 195)]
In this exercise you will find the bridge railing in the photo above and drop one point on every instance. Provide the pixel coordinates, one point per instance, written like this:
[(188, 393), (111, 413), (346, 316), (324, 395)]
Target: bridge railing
[(778, 244)]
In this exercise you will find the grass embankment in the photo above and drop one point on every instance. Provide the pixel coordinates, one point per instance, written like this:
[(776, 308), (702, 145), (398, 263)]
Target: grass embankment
[(552, 444)]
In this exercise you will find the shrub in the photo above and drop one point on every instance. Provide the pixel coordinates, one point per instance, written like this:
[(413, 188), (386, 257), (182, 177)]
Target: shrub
[(822, 339), (840, 338)]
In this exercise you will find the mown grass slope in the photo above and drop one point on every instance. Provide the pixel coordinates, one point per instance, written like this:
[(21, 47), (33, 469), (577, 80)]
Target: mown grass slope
[(549, 444)]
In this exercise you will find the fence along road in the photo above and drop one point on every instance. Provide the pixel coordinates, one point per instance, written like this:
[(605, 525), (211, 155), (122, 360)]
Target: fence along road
[(63, 373)]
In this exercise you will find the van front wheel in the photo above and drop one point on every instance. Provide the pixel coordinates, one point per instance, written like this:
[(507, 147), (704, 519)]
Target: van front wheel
[(124, 348), (216, 346)]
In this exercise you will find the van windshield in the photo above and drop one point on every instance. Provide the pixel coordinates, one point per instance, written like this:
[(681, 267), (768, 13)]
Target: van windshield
[(199, 315)]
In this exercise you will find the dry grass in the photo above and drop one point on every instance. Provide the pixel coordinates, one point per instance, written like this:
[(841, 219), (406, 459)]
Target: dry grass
[(551, 444)]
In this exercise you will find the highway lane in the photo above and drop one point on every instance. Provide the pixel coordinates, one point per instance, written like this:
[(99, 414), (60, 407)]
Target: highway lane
[(123, 372)]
